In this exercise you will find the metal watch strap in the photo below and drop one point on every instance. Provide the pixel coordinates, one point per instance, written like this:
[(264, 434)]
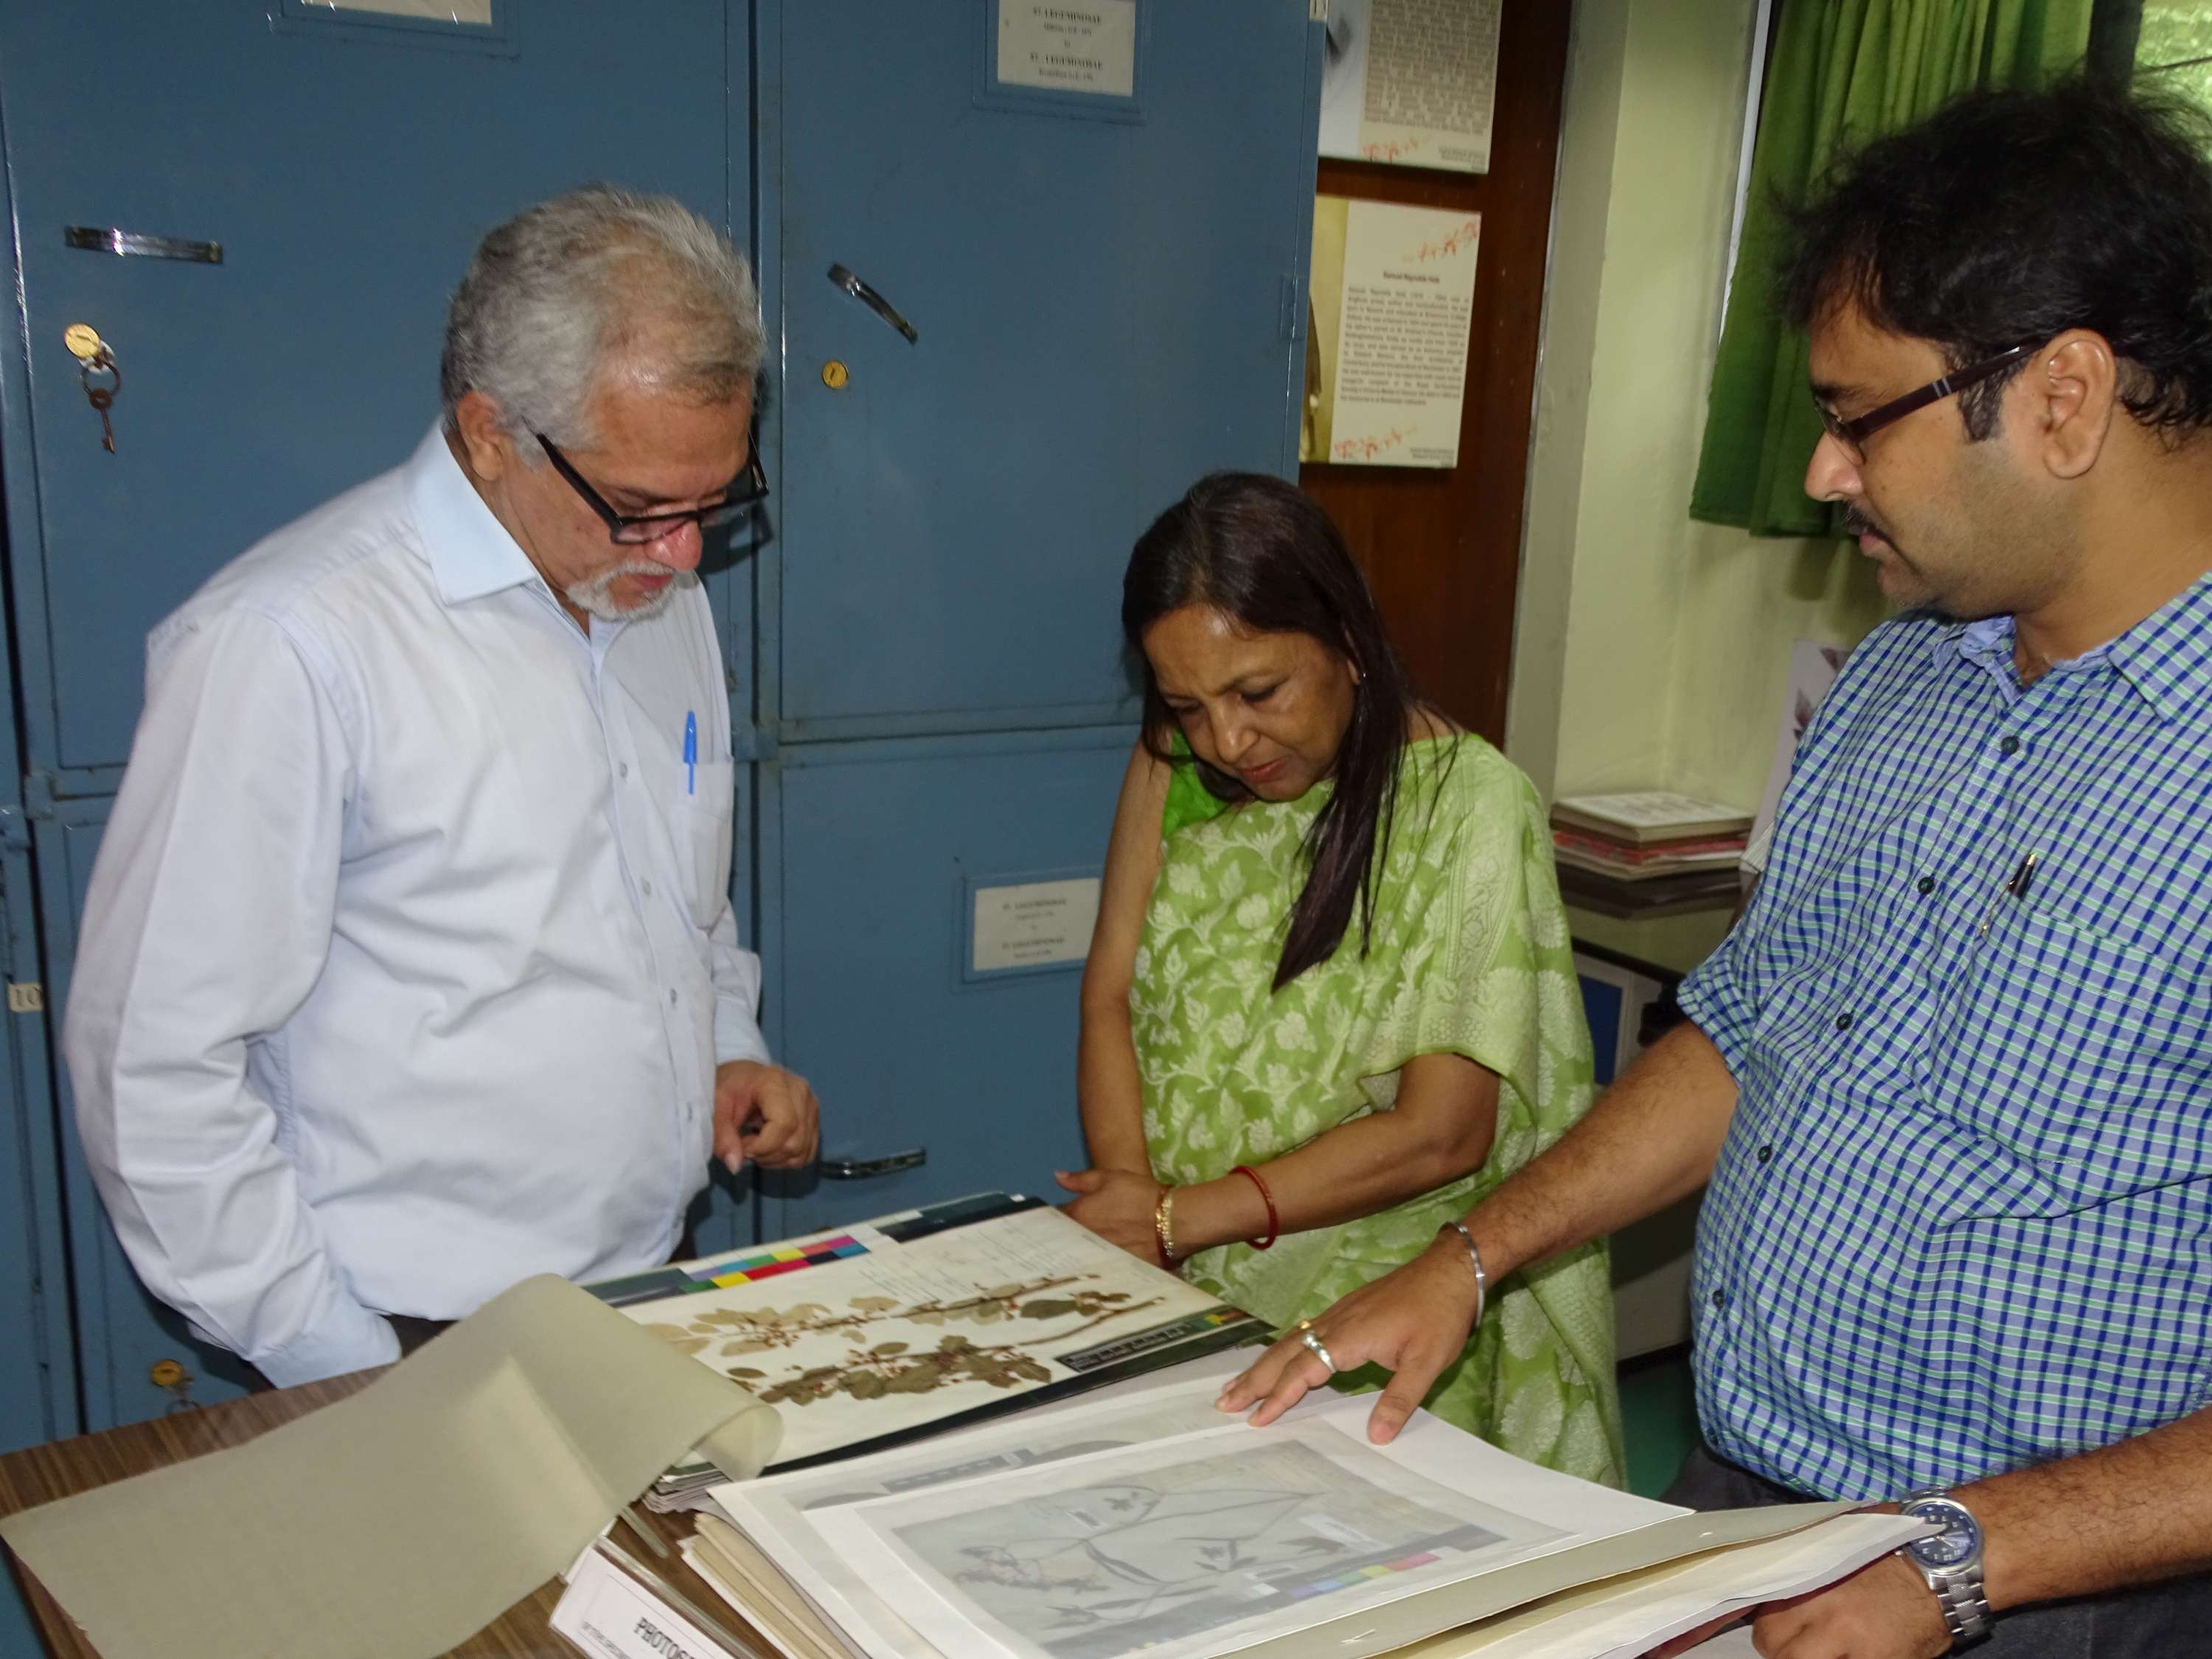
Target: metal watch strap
[(1957, 1588), (1965, 1608)]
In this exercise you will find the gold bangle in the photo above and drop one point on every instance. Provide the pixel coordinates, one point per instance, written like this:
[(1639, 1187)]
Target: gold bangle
[(1164, 1224)]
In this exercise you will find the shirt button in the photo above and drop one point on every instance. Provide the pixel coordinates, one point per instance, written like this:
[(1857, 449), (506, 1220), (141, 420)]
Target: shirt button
[(2009, 746), (672, 998), (1843, 1021), (649, 890), (1765, 1153), (622, 769), (1926, 884), (1720, 1299)]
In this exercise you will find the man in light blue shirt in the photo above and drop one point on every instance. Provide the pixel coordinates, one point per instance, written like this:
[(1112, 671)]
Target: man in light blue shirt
[(409, 967), (1950, 1076)]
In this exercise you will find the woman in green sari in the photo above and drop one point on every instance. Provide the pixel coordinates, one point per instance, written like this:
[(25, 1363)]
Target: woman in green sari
[(1330, 1001)]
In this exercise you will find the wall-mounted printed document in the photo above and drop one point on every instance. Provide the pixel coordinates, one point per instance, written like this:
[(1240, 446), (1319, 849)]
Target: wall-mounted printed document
[(1411, 83), (1388, 319)]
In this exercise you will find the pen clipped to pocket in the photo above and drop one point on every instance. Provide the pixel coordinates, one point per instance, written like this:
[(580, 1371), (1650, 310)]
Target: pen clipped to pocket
[(2016, 890)]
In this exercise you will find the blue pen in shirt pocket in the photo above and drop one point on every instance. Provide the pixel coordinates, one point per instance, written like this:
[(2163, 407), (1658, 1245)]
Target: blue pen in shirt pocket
[(691, 753)]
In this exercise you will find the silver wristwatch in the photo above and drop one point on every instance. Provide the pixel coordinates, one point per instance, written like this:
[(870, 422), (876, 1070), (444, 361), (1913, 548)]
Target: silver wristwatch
[(1951, 1562)]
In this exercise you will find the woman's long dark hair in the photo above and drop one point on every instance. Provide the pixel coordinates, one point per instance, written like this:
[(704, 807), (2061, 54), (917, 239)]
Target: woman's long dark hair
[(1256, 549)]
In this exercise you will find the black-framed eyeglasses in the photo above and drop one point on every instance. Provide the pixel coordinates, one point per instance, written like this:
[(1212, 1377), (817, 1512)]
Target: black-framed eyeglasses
[(748, 488), (1853, 434)]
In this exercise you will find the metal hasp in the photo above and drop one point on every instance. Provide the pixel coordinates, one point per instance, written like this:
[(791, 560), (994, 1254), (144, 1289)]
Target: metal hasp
[(874, 301), (131, 245), (849, 1169)]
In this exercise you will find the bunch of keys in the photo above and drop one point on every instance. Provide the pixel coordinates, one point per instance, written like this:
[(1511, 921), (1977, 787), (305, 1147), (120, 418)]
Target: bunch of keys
[(94, 358)]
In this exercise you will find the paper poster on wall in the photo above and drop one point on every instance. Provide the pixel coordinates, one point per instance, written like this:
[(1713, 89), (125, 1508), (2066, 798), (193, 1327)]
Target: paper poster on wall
[(1389, 311), (1411, 83), (1069, 45)]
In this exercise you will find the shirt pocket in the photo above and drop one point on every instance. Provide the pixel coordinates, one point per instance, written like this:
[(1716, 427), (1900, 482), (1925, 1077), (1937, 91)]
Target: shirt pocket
[(704, 822), (2038, 1053)]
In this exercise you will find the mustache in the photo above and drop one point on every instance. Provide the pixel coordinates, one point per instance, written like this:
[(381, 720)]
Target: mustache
[(1856, 523)]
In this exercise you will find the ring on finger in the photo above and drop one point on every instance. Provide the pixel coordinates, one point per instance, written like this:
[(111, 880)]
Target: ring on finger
[(1313, 1345)]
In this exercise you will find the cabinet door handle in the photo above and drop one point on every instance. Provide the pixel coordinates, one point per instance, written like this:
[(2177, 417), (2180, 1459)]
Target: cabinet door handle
[(864, 1168), (137, 245), (874, 301)]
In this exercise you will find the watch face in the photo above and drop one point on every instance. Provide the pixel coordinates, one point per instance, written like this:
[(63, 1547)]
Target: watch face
[(1945, 1549), (1959, 1540)]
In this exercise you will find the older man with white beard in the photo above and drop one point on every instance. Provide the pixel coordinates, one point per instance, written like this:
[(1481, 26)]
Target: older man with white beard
[(409, 967)]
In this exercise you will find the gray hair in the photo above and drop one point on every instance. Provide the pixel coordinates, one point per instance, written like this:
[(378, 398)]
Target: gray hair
[(563, 291)]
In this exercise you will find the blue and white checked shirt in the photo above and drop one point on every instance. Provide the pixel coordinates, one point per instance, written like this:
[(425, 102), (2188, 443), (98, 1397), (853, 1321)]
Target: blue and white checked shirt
[(1963, 1217)]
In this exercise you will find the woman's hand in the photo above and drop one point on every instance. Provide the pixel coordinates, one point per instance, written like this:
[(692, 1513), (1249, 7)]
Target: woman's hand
[(1412, 1321), (1118, 1206)]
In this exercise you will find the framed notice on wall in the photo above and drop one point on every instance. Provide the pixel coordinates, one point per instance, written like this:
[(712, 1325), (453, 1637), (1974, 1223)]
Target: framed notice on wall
[(1411, 83), (1387, 327)]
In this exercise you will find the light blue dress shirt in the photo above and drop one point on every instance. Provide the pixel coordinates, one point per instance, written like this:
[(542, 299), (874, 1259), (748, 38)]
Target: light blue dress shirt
[(1962, 1221), (408, 956)]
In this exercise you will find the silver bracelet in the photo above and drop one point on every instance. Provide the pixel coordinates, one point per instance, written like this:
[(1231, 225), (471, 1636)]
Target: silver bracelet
[(1481, 1278)]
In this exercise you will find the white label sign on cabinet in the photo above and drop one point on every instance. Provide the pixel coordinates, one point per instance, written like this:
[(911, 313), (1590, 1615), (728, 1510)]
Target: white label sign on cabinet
[(1069, 45), (1037, 924)]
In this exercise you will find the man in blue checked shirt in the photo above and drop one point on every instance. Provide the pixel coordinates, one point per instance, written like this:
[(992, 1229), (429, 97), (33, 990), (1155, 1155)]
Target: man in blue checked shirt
[(1950, 1076)]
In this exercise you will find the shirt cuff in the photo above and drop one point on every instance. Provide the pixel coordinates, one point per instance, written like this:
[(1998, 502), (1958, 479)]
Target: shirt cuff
[(1712, 998), (737, 1036), (352, 1339)]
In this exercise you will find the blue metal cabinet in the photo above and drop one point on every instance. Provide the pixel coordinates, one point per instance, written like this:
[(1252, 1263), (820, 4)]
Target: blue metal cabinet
[(347, 164), (36, 1391), (876, 848), (122, 1333), (1105, 298), (346, 171)]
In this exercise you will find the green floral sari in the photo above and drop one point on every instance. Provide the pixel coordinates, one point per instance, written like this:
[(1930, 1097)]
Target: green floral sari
[(1469, 957)]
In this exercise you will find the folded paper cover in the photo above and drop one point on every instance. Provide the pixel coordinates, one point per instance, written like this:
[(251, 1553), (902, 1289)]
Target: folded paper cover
[(400, 1521)]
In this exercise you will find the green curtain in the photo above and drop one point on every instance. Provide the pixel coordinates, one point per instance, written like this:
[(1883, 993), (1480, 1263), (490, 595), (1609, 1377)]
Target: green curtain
[(1841, 70)]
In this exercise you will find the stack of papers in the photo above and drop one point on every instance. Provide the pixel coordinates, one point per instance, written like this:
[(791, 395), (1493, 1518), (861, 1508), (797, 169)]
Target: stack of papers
[(1146, 1520)]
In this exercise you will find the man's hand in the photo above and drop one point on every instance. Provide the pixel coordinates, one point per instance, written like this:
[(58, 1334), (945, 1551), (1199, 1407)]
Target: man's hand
[(765, 1112), (1118, 1206), (1414, 1321), (1885, 1611)]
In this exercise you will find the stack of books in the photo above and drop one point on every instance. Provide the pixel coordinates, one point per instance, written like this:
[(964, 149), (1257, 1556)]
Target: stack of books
[(1001, 1440), (1141, 1520), (1648, 850)]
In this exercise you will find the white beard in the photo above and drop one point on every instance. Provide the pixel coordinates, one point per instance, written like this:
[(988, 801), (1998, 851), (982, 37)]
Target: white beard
[(596, 597)]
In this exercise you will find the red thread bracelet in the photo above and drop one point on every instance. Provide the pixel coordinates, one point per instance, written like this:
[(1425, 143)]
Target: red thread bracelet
[(1274, 1221)]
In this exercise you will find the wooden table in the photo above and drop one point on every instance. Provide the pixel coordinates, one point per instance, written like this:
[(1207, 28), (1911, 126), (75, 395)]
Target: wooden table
[(65, 1467)]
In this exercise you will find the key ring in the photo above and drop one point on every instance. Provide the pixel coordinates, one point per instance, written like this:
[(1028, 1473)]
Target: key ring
[(101, 363)]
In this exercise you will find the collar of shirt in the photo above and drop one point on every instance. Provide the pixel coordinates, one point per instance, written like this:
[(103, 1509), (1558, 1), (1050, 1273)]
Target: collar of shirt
[(2166, 657), (470, 552)]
